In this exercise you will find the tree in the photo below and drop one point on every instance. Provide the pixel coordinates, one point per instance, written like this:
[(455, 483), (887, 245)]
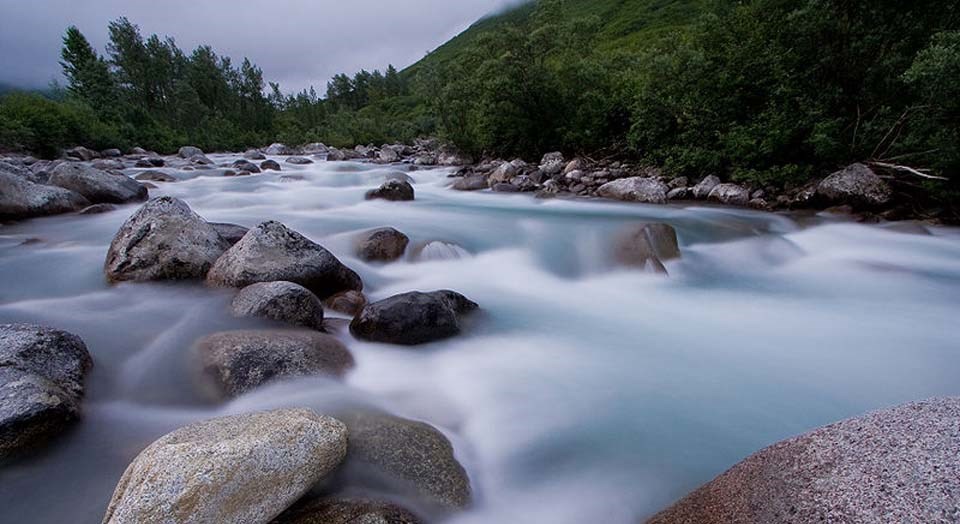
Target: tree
[(87, 74)]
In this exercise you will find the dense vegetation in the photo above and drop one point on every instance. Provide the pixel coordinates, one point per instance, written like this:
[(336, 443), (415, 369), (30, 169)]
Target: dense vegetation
[(768, 91)]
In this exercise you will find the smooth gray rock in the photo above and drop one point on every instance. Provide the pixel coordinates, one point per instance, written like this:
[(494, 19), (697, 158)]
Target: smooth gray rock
[(278, 149), (232, 233), (730, 195), (679, 193), (346, 511), (42, 371), (346, 302), (299, 161), (471, 183), (315, 148), (382, 245), (111, 153), (245, 165), (99, 187), (648, 190), (856, 185), (163, 240), (21, 198), (452, 158), (503, 174), (271, 252), (270, 165), (189, 152), (81, 153), (412, 318), (388, 155), (236, 362), (895, 465), (155, 176), (393, 190), (280, 301), (243, 468), (647, 246), (254, 154), (702, 190)]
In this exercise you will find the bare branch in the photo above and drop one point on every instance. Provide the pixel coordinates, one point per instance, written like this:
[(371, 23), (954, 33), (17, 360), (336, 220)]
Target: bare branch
[(907, 169)]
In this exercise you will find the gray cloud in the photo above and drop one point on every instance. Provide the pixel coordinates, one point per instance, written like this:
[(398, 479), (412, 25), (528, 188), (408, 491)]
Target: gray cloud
[(296, 42)]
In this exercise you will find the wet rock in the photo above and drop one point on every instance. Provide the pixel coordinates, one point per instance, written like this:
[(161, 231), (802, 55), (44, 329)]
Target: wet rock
[(81, 153), (505, 188), (97, 186), (245, 165), (155, 176), (163, 240), (758, 203), (383, 245), (20, 198), (232, 233), (271, 252), (42, 371), (552, 163), (254, 154), (393, 190), (270, 165), (856, 185), (412, 318), (236, 362), (278, 149), (280, 301), (503, 174), (346, 511), (189, 152), (336, 155), (150, 162), (243, 468), (299, 161), (730, 195), (201, 160), (107, 165), (346, 302), (471, 183), (679, 193), (98, 209), (407, 457), (648, 190), (315, 148), (647, 246), (702, 190), (894, 465)]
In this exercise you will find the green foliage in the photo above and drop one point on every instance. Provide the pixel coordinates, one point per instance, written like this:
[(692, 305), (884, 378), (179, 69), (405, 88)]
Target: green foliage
[(34, 123)]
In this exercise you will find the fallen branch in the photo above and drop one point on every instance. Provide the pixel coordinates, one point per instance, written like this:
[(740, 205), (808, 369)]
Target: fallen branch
[(907, 169)]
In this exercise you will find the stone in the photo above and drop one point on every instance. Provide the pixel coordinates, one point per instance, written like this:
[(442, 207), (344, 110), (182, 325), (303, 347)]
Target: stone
[(730, 195), (111, 153), (856, 185), (299, 160), (107, 164), (245, 165), (679, 193), (471, 183), (232, 233), (271, 252), (451, 158), (254, 154), (278, 149), (382, 245), (648, 190), (281, 301), (552, 163), (163, 240), (315, 148), (241, 468), (189, 152), (335, 155), (425, 159), (647, 246), (21, 198), (42, 372), (412, 318), (97, 186), (346, 511), (505, 188), (577, 164), (346, 302), (156, 176), (270, 165), (388, 154), (503, 174), (679, 182), (392, 190), (81, 153), (894, 465), (702, 190), (237, 362)]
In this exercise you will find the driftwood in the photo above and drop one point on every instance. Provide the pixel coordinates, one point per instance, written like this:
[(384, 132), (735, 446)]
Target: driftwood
[(907, 169)]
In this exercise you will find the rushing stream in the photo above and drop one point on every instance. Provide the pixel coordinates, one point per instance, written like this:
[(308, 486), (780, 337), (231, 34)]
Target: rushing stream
[(580, 393)]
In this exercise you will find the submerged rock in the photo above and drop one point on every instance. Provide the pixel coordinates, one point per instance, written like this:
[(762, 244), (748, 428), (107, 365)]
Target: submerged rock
[(163, 240), (280, 301), (438, 250), (42, 371), (97, 186), (346, 511), (412, 318), (393, 190), (648, 190), (299, 160), (271, 252), (270, 165), (384, 244), (20, 198), (240, 361), (243, 468), (894, 465), (856, 185), (647, 246)]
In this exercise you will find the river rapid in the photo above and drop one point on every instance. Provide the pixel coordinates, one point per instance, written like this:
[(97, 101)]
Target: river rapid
[(580, 393)]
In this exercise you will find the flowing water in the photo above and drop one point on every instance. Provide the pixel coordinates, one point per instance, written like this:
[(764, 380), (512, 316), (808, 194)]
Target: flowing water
[(580, 393)]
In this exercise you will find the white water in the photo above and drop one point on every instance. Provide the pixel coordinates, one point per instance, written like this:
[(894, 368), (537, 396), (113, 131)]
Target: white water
[(581, 393)]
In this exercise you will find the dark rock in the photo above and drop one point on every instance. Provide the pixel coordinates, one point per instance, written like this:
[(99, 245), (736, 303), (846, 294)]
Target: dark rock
[(270, 252), (384, 245), (505, 188), (679, 182), (270, 165), (42, 372), (299, 160), (647, 246), (20, 198), (280, 301), (346, 511), (730, 195), (636, 189), (97, 186), (412, 318), (393, 190), (702, 190), (679, 193), (471, 183), (155, 176), (111, 153), (245, 165), (163, 240), (232, 233), (856, 185), (237, 362), (346, 302), (97, 209)]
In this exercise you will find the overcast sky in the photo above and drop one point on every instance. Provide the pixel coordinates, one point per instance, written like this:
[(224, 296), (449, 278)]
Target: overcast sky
[(295, 42)]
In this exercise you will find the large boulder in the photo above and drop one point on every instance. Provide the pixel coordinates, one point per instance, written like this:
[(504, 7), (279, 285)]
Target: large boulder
[(648, 190), (412, 318), (112, 153), (702, 190), (243, 164), (856, 185), (280, 301), (346, 511), (41, 384), (163, 240), (189, 152), (97, 186), (21, 198), (894, 465), (393, 190), (236, 362), (730, 195), (384, 245), (552, 163), (646, 246), (242, 468), (271, 252), (407, 457), (503, 174)]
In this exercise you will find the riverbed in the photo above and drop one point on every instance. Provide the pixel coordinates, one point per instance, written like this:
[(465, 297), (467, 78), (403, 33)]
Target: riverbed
[(582, 392)]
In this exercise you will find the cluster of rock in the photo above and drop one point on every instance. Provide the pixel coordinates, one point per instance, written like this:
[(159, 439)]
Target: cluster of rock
[(423, 152)]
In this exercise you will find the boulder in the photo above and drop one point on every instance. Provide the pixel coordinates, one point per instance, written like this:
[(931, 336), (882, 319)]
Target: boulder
[(730, 195), (346, 302), (577, 164), (150, 162), (138, 151), (236, 362), (201, 160), (315, 148), (647, 246), (552, 163), (702, 190), (388, 154), (97, 186), (163, 240), (393, 190), (346, 511), (245, 165), (155, 176), (42, 371), (336, 155), (278, 149), (111, 153), (232, 233), (242, 468), (412, 318), (383, 245), (503, 174), (189, 152), (408, 457), (97, 209), (299, 161), (856, 185), (425, 159), (280, 301), (471, 183), (254, 154), (450, 158), (81, 153), (895, 465), (270, 165), (680, 193), (648, 190), (107, 164), (271, 252), (20, 198)]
